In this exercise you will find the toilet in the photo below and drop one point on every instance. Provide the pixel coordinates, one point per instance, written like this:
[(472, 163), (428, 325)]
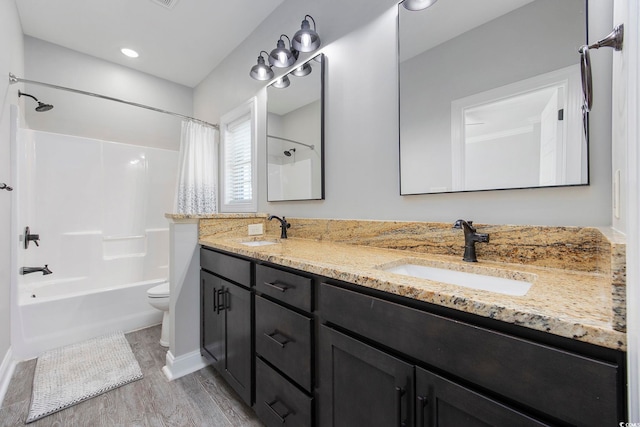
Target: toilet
[(158, 297)]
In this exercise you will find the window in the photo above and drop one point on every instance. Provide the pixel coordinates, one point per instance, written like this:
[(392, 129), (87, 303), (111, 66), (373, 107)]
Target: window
[(239, 159)]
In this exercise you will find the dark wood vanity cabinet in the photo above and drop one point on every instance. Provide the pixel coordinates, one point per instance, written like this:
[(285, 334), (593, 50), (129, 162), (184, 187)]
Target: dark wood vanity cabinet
[(226, 316), (464, 374), (304, 350)]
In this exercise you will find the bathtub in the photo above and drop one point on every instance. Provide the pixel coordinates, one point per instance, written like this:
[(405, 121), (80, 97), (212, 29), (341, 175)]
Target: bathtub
[(55, 313), (98, 208)]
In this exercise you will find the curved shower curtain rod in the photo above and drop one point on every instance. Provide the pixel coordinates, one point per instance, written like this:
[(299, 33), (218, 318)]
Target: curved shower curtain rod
[(291, 140), (13, 80)]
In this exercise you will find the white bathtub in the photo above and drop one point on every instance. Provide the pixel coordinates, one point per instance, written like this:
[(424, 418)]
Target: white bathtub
[(54, 313), (98, 207)]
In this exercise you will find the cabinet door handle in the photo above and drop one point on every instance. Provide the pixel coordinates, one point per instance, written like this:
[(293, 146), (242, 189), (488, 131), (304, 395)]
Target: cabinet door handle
[(272, 337), (422, 403), (399, 394), (280, 288), (214, 298), (273, 410), (220, 306)]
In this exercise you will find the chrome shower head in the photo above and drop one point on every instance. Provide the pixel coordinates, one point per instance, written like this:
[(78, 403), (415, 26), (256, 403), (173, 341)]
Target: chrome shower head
[(289, 152), (41, 105)]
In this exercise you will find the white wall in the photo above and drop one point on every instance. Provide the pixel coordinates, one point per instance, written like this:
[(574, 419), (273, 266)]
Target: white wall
[(11, 60), (91, 117), (361, 153)]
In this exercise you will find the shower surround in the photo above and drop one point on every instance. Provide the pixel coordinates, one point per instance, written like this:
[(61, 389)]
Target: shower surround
[(98, 207)]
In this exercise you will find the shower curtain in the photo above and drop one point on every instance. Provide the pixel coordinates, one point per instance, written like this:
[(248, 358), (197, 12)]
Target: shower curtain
[(198, 170)]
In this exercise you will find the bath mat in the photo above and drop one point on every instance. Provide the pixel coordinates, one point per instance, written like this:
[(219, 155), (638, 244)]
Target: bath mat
[(78, 372)]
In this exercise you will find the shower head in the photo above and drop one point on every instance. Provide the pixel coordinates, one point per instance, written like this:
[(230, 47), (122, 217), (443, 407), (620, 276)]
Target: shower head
[(289, 152), (41, 105)]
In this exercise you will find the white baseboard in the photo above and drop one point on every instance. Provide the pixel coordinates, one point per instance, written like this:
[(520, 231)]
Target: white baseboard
[(185, 364), (6, 371)]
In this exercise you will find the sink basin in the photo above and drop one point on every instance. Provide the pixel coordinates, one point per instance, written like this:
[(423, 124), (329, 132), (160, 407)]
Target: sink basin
[(258, 242), (460, 278)]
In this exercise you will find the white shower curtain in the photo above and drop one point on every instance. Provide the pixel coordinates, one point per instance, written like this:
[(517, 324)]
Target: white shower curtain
[(198, 170)]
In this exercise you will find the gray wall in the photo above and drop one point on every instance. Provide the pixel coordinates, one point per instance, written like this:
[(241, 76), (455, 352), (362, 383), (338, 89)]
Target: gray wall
[(92, 117), (11, 60), (359, 39)]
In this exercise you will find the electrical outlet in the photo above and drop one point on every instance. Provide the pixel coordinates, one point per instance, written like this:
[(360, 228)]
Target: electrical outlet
[(255, 229)]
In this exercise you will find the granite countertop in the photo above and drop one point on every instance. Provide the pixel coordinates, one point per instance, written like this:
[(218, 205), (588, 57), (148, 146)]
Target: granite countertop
[(567, 303)]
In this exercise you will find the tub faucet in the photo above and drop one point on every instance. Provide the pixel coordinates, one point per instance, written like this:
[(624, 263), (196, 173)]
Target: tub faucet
[(45, 270), (283, 225), (470, 239)]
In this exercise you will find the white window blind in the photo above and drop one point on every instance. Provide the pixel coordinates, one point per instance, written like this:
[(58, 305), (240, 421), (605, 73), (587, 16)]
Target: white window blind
[(238, 161), (238, 192)]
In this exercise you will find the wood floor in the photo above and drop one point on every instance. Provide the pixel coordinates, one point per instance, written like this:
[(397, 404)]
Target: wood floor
[(199, 399)]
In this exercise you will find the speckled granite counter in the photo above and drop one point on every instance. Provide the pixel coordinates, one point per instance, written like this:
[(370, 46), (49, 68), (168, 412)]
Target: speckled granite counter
[(567, 303), (578, 273)]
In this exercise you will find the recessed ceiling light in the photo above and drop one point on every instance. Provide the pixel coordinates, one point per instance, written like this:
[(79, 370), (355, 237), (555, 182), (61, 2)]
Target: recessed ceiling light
[(129, 52)]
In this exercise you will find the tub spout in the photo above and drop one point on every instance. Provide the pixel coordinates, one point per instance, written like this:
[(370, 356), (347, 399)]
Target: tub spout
[(27, 270)]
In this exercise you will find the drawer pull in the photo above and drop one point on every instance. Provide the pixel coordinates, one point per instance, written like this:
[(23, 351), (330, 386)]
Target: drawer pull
[(272, 337), (273, 410), (399, 394), (281, 288), (422, 403)]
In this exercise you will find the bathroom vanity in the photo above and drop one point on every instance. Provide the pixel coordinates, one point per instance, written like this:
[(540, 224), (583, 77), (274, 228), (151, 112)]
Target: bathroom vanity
[(322, 338)]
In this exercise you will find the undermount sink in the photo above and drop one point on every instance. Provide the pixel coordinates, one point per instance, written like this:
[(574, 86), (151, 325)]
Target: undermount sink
[(460, 278), (259, 242)]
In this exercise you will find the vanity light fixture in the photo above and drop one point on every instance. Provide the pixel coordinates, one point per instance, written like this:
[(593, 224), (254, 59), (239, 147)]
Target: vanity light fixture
[(306, 39), (261, 71), (415, 5), (303, 70), (282, 57), (281, 83), (129, 52)]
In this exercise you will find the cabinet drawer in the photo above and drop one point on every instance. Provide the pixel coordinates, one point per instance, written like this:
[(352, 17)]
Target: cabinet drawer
[(287, 287), (283, 337), (232, 268), (278, 402), (567, 386)]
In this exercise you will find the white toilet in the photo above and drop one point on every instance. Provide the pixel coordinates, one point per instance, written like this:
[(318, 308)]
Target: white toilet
[(158, 297)]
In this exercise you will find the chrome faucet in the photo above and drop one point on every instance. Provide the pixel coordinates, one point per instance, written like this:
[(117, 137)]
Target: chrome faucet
[(283, 225), (45, 270), (470, 239)]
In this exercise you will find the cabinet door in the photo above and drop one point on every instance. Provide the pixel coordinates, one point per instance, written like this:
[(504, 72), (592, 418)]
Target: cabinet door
[(442, 403), (226, 331), (360, 385), (212, 328), (237, 364)]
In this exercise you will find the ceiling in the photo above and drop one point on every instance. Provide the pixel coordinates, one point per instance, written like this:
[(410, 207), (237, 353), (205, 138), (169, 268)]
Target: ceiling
[(182, 43)]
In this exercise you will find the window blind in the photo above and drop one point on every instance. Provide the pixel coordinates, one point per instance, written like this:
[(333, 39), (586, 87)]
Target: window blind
[(238, 173)]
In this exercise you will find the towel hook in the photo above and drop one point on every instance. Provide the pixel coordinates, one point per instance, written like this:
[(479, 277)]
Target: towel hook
[(4, 186), (614, 40)]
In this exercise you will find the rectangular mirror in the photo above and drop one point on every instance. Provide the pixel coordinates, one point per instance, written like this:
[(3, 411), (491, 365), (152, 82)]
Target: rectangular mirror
[(295, 134), (490, 95)]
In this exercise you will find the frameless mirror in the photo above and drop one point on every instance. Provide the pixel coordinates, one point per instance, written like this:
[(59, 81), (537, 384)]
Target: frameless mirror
[(490, 95), (295, 134)]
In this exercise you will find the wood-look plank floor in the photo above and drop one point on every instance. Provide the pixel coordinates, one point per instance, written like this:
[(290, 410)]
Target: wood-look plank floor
[(199, 399)]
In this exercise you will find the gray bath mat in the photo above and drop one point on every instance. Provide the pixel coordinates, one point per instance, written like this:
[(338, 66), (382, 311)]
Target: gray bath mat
[(75, 373)]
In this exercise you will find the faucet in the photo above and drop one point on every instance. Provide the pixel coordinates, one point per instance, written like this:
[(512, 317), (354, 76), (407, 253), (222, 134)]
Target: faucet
[(45, 270), (470, 239), (283, 225)]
